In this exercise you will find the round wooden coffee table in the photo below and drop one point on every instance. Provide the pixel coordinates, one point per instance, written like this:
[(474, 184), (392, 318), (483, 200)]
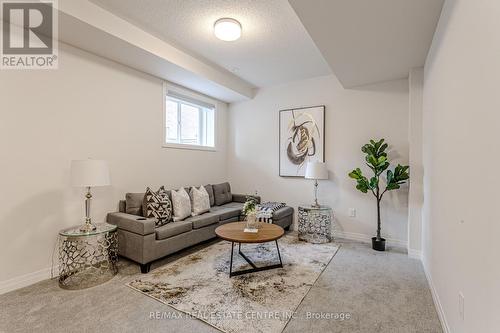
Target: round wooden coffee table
[(233, 232)]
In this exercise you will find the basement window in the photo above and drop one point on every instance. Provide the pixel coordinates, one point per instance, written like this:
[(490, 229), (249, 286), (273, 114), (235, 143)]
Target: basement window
[(189, 120)]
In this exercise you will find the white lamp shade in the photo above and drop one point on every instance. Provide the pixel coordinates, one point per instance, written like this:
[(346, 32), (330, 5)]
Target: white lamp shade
[(316, 170), (89, 173)]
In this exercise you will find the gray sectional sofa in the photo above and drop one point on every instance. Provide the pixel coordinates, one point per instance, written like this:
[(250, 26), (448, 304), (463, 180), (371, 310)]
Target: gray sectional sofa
[(142, 242)]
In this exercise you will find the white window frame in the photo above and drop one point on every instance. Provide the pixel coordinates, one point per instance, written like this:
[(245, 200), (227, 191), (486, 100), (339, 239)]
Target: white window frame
[(181, 92)]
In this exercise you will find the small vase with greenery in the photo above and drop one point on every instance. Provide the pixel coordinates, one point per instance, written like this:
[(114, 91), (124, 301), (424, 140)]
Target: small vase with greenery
[(376, 160), (250, 212)]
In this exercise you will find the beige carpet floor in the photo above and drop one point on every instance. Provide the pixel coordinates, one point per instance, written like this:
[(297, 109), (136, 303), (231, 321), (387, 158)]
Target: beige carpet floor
[(382, 292)]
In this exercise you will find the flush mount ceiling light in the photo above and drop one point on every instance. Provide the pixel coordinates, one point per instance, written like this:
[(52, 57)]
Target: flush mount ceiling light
[(227, 29)]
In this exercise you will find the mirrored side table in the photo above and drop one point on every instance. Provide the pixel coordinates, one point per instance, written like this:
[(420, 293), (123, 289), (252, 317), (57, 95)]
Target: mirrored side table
[(315, 224), (87, 259)]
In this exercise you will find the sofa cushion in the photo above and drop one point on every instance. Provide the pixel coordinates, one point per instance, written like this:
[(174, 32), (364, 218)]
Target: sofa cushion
[(232, 219), (181, 203), (157, 205), (133, 203), (200, 200), (234, 205), (282, 212), (173, 229), (210, 191), (122, 206), (226, 212), (203, 220), (222, 193)]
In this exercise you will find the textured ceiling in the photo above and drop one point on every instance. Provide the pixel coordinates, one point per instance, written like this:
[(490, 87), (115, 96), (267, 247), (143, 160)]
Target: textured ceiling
[(274, 47), (367, 41)]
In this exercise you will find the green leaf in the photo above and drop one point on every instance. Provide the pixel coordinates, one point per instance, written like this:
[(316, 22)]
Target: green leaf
[(390, 176), (372, 160), (356, 173), (362, 188), (393, 186), (397, 177), (383, 167), (368, 149), (362, 181)]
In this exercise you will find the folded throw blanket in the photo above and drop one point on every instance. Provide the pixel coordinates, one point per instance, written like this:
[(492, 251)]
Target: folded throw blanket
[(266, 210)]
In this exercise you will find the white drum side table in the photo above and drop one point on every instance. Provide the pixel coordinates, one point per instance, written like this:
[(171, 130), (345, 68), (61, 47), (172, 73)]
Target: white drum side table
[(87, 259), (315, 224)]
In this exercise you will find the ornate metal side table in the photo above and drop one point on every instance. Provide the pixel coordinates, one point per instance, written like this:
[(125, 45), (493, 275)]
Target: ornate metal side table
[(315, 224), (87, 259)]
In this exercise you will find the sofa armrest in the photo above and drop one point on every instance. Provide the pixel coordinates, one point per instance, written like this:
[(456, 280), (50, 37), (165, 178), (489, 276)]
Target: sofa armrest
[(243, 197), (133, 223)]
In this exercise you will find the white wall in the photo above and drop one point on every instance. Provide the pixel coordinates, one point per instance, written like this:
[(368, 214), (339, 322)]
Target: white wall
[(352, 118), (461, 142), (416, 191), (89, 107)]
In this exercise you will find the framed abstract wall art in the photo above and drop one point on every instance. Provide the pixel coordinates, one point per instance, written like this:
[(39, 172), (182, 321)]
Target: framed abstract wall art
[(302, 139)]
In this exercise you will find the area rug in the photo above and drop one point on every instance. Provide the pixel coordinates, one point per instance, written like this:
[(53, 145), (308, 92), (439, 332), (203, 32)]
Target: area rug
[(199, 285)]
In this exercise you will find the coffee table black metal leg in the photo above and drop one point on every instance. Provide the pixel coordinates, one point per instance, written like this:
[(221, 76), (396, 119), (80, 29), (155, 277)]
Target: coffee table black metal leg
[(279, 254), (231, 261), (254, 267)]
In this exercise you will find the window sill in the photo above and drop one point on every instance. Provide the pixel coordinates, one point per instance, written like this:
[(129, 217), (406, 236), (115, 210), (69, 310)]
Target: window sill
[(188, 147)]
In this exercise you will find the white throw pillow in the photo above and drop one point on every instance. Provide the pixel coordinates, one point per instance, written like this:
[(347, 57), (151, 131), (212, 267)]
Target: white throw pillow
[(200, 200), (181, 203)]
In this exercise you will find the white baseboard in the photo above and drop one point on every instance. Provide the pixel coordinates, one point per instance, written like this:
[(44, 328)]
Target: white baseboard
[(27, 279), (437, 302), (415, 254), (368, 239)]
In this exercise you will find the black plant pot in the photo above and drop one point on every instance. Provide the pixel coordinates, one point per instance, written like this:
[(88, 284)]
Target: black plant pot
[(378, 244)]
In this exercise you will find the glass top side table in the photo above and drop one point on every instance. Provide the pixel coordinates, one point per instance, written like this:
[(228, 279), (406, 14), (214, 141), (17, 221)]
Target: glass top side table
[(87, 259), (315, 223), (100, 228)]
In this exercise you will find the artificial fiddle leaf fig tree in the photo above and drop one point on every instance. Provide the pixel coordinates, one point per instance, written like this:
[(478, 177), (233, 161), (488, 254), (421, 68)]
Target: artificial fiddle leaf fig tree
[(376, 160)]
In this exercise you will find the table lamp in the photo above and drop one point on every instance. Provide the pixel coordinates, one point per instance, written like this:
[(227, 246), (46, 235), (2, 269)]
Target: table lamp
[(316, 170), (89, 173)]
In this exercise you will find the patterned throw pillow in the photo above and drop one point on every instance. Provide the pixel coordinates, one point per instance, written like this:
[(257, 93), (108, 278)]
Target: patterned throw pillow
[(200, 200), (181, 203), (158, 205)]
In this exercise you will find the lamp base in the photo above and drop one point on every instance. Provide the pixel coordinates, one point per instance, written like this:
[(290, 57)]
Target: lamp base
[(315, 204), (88, 227)]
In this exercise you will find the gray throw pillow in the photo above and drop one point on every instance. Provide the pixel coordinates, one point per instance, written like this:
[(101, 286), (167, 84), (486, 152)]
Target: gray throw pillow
[(222, 193), (210, 191), (133, 203), (158, 205)]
